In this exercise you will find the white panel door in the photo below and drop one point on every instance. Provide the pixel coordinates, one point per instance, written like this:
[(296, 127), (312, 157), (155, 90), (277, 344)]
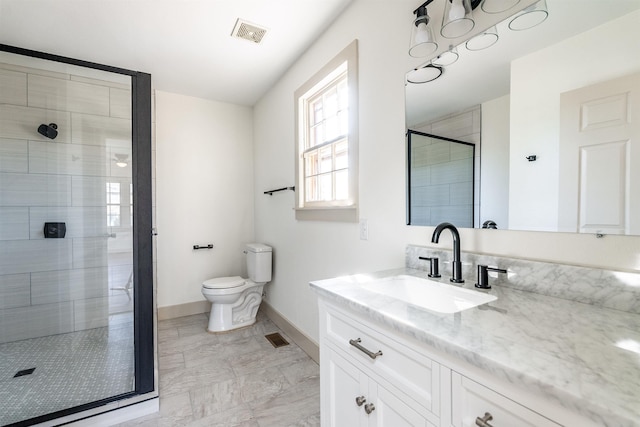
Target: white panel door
[(341, 384), (392, 411), (600, 158)]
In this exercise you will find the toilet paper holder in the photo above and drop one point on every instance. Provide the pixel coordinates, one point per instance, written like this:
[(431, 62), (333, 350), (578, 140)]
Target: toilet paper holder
[(209, 246)]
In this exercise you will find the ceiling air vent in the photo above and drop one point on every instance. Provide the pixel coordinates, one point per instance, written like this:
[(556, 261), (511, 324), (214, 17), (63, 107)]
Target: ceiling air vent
[(248, 31)]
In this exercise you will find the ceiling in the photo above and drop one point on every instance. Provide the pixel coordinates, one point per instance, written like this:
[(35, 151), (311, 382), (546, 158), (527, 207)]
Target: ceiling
[(185, 44), (484, 75)]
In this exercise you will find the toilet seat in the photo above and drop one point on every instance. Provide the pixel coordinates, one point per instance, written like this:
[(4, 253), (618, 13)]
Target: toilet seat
[(224, 282)]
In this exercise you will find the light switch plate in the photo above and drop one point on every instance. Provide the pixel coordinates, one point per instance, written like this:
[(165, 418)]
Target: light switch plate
[(364, 229)]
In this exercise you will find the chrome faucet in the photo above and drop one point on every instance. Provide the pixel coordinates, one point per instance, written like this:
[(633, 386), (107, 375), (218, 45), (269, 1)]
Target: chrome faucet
[(457, 265)]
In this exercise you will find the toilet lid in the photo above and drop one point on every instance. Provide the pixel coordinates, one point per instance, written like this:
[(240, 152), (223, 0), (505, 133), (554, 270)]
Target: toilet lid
[(224, 282)]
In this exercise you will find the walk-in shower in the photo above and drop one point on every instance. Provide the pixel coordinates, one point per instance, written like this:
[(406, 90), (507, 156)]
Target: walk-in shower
[(76, 277)]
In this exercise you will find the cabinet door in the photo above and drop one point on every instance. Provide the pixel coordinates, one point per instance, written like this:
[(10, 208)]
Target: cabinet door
[(391, 411), (472, 400), (341, 384)]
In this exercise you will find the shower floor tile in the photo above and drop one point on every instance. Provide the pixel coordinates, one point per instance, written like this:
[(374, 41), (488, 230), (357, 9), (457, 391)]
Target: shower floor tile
[(70, 370)]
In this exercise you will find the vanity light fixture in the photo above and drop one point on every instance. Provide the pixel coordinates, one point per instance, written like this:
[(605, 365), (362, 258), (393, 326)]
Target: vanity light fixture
[(530, 16), (483, 40), (498, 6), (446, 58), (457, 19), (422, 41), (425, 74)]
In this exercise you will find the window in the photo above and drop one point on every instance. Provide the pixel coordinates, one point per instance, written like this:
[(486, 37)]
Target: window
[(327, 141), (118, 208), (113, 204)]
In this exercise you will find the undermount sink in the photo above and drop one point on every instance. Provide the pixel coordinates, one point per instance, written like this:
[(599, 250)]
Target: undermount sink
[(429, 294)]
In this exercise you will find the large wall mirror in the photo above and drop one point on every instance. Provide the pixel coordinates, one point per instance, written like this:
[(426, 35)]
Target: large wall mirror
[(524, 103)]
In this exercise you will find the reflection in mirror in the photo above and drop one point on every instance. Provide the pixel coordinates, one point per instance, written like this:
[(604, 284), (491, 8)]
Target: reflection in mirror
[(440, 180), (518, 84)]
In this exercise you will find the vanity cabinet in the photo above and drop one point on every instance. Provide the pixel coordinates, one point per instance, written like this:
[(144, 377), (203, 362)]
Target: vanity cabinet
[(368, 379), (472, 404), (373, 376), (355, 399)]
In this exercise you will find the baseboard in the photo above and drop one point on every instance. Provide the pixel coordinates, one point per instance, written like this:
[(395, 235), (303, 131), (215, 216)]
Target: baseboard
[(114, 413), (303, 341), (181, 310)]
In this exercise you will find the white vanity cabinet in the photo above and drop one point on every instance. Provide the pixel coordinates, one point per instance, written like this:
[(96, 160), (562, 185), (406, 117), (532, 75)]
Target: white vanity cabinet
[(368, 379), (355, 399), (472, 404), (373, 376)]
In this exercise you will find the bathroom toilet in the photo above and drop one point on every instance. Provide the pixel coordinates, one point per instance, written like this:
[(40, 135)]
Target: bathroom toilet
[(234, 300)]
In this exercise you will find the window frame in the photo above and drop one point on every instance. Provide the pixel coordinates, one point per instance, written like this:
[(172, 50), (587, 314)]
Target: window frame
[(335, 210)]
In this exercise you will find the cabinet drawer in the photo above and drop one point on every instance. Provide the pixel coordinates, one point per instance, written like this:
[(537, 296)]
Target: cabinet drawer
[(471, 400), (409, 371)]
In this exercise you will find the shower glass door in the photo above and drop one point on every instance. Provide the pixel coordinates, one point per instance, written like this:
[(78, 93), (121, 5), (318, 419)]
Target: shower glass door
[(67, 294)]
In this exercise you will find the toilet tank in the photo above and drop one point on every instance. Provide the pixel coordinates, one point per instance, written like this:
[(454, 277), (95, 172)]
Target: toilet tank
[(259, 262)]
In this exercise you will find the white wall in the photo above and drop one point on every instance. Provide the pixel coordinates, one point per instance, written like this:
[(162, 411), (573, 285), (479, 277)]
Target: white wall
[(304, 251), (536, 83), (204, 174), (494, 184)]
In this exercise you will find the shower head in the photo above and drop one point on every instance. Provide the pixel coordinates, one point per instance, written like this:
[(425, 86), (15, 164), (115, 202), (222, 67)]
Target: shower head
[(48, 130)]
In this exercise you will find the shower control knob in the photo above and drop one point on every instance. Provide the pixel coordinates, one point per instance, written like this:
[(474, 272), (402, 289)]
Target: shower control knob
[(360, 400)]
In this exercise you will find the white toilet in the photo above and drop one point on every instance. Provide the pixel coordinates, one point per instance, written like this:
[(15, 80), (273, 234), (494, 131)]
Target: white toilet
[(234, 300)]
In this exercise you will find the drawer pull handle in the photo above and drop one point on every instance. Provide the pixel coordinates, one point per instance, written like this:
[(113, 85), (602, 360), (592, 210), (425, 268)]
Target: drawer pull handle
[(369, 408), (360, 400), (356, 344), (483, 422)]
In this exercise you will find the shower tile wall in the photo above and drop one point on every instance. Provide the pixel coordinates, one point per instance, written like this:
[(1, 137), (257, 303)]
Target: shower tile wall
[(463, 126), (52, 286)]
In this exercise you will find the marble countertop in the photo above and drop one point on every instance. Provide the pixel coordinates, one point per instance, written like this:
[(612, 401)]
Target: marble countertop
[(583, 357)]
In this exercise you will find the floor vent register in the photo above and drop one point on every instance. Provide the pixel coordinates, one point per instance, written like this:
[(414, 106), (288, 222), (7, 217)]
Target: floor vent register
[(276, 340)]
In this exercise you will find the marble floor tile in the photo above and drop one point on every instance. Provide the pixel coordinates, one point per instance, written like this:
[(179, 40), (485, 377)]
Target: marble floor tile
[(187, 330), (215, 398), (300, 401), (185, 344), (181, 380), (240, 416), (182, 321), (267, 357), (261, 385), (233, 379), (171, 362), (312, 420), (301, 371)]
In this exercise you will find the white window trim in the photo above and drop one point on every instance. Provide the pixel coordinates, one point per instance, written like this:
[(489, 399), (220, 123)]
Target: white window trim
[(337, 212)]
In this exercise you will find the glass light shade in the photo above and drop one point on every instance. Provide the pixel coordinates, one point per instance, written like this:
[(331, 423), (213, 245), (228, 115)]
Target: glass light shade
[(483, 40), (422, 41), (121, 164), (446, 58), (457, 19), (530, 17), (424, 74), (498, 6)]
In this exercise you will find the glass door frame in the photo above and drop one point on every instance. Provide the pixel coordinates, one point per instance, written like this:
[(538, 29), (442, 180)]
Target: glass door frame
[(143, 303)]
